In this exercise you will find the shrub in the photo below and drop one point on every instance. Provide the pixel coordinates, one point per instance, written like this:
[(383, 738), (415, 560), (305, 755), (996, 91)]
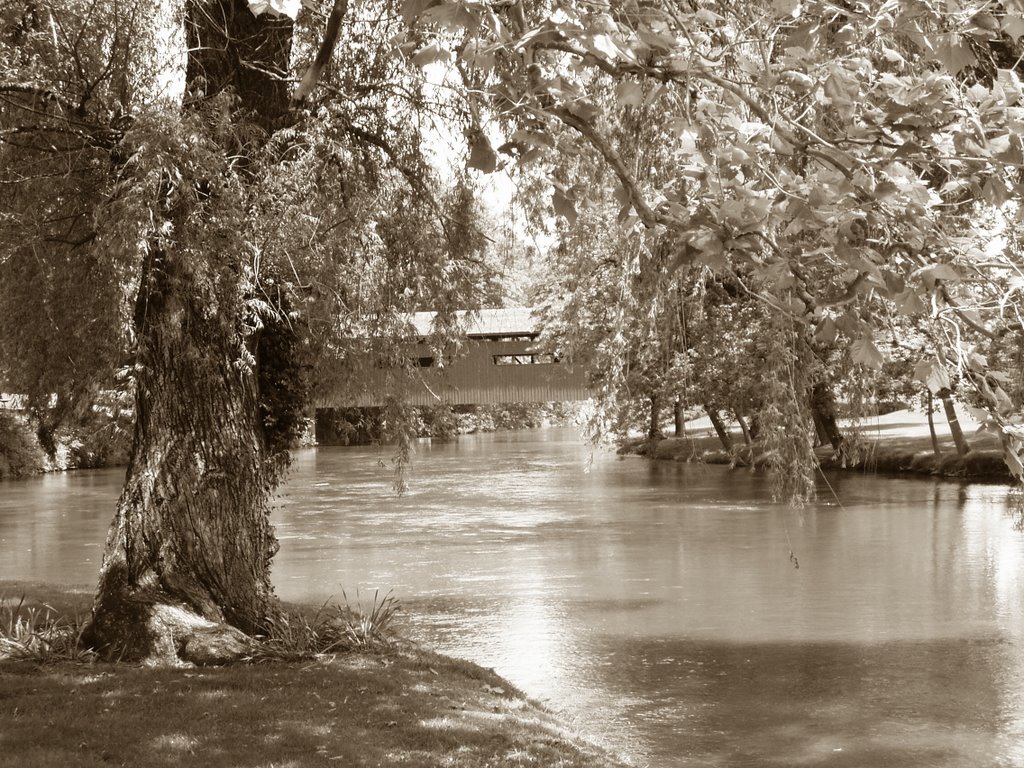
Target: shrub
[(20, 453), (951, 465), (985, 464), (924, 461)]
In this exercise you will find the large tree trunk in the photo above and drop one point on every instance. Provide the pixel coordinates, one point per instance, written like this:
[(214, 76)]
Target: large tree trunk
[(186, 571), (191, 543), (679, 418)]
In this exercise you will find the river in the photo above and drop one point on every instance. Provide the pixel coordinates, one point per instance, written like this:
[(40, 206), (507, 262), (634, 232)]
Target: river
[(655, 605)]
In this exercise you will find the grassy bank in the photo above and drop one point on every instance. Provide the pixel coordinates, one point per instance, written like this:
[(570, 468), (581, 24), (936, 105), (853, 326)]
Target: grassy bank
[(387, 705), (896, 443)]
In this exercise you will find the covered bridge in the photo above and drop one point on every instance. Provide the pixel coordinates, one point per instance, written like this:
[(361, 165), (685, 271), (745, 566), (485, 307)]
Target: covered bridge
[(499, 363)]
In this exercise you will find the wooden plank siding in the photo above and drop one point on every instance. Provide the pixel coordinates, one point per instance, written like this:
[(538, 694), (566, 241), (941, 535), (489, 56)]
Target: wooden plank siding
[(484, 373)]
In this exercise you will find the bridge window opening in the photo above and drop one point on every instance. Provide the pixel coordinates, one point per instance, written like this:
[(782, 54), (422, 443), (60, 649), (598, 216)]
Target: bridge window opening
[(540, 359)]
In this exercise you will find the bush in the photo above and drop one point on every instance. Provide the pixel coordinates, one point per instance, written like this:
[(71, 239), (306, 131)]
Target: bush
[(985, 464), (925, 461), (101, 441), (20, 453)]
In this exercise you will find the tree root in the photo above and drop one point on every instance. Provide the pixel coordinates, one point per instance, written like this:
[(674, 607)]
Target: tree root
[(181, 637), (156, 630)]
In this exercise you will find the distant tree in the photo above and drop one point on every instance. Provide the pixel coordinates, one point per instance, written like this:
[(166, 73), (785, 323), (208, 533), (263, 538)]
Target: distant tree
[(844, 162)]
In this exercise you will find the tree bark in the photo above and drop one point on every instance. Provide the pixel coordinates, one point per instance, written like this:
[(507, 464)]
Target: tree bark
[(962, 447), (716, 422), (679, 418), (747, 439), (820, 432), (186, 570), (931, 426), (823, 409), (654, 428)]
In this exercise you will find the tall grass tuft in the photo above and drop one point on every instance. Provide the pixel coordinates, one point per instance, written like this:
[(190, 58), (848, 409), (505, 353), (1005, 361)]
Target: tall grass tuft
[(37, 633), (334, 628), (365, 628)]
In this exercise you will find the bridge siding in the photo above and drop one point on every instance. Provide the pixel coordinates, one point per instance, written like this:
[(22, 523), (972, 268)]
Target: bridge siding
[(473, 378)]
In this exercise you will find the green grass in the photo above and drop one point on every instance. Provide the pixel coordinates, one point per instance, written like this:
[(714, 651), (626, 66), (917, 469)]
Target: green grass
[(388, 704)]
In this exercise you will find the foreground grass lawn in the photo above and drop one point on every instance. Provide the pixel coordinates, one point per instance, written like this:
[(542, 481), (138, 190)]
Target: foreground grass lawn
[(397, 706)]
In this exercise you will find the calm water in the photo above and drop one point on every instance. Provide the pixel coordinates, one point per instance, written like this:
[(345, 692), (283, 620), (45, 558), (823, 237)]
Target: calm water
[(654, 605)]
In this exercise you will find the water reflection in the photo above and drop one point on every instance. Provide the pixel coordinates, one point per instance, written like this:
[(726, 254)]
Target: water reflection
[(655, 604)]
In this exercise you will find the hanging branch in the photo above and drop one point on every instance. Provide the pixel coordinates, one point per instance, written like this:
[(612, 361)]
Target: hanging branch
[(323, 56)]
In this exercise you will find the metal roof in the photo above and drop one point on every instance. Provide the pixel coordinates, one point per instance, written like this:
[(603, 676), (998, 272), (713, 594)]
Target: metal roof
[(507, 321)]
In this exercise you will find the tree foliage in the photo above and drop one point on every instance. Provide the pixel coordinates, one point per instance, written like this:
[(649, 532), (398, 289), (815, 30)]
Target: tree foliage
[(225, 216), (844, 163)]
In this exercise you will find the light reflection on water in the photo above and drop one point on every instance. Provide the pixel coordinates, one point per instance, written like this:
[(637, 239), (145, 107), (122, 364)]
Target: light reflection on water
[(653, 604), (656, 607)]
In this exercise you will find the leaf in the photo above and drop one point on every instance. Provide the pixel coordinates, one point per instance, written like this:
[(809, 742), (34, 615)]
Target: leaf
[(604, 44), (938, 379), (980, 415), (712, 252), (432, 54), (629, 94), (910, 303), (932, 375), (937, 272), (289, 8), (454, 17), (955, 54), (413, 9), (481, 155), (789, 8), (827, 331), (1013, 25), (864, 351), (533, 139), (1010, 85), (565, 205), (894, 282)]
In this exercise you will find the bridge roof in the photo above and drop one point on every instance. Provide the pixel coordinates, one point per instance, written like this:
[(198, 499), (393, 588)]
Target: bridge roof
[(507, 321)]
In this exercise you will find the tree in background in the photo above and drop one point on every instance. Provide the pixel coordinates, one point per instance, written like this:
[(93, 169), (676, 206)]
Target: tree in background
[(834, 160)]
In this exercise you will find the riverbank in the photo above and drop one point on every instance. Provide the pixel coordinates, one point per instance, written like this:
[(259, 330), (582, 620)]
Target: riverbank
[(394, 704), (896, 443)]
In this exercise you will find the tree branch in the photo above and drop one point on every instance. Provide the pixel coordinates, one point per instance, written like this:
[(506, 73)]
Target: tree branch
[(43, 94), (323, 56), (648, 216), (786, 128), (958, 310)]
